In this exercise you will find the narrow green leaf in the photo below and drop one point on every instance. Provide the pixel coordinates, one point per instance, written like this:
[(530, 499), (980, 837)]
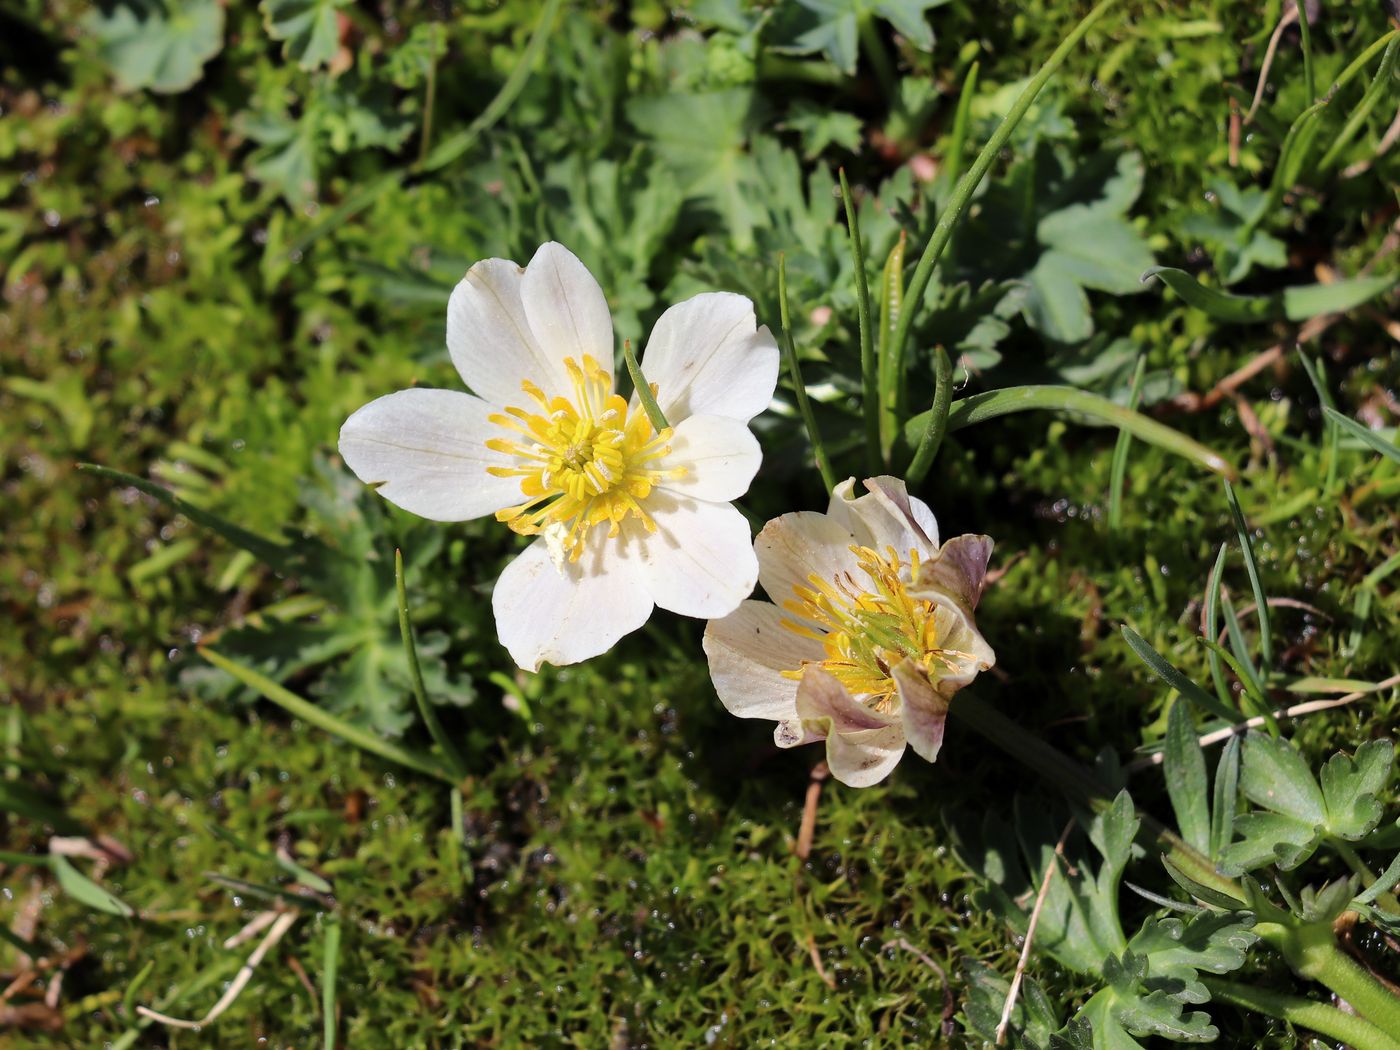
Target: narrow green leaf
[(891, 370), (869, 375), (305, 876), (14, 941), (329, 969), (274, 555), (1188, 689), (1120, 451), (1199, 890), (1383, 884), (645, 394), (1292, 304), (410, 648), (86, 892), (1379, 84), (1244, 663), (1225, 797), (932, 437), (979, 408), (309, 712), (1217, 674), (953, 156), (1251, 566), (799, 387), (1369, 437), (133, 989), (263, 891), (1184, 766)]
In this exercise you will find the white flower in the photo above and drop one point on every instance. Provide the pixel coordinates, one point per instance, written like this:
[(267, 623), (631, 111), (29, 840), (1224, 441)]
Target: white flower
[(626, 518), (872, 636)]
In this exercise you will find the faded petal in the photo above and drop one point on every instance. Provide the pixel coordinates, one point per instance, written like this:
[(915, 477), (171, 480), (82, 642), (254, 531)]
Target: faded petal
[(567, 613), (700, 560), (565, 307), (794, 547), (958, 570), (707, 356), (748, 652), (720, 456), (886, 516), (490, 339), (426, 450), (923, 709), (862, 745)]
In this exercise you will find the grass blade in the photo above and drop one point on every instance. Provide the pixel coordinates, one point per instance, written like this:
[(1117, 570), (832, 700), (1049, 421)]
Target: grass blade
[(979, 408), (86, 892), (1217, 673), (1251, 566), (869, 377), (1292, 304), (425, 708), (1120, 451), (962, 194), (799, 388), (645, 394), (1369, 437), (1188, 689), (1244, 663), (329, 972), (1225, 797), (937, 418), (321, 719)]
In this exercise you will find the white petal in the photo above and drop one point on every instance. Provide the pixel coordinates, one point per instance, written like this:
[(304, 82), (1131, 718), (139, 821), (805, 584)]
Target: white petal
[(707, 357), (490, 339), (862, 745), (720, 456), (426, 450), (700, 560), (922, 708), (796, 546), (886, 516), (565, 307), (569, 613), (748, 652)]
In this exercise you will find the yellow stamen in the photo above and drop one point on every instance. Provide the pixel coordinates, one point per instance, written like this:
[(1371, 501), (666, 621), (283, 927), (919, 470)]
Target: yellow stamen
[(581, 461), (867, 626)]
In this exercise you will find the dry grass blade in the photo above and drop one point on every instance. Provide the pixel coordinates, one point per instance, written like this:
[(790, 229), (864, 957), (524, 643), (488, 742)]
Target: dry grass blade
[(280, 926), (1015, 989)]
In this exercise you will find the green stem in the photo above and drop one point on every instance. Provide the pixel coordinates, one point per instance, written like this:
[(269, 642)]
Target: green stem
[(1305, 1013), (645, 393), (869, 376), (1308, 78), (410, 650), (1312, 951), (799, 388), (962, 195), (937, 420), (1363, 110)]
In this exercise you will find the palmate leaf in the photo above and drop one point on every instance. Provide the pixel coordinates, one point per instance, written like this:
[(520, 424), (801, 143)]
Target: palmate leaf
[(309, 29), (157, 44), (1060, 226), (831, 27), (1298, 814)]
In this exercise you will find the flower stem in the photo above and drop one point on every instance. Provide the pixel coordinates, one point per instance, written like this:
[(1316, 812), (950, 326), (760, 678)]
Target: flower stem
[(1311, 949), (799, 388), (869, 379), (1305, 1013), (410, 649), (937, 420), (962, 195)]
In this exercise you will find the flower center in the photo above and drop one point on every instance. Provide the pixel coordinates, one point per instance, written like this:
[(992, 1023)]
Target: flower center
[(580, 461), (866, 628)]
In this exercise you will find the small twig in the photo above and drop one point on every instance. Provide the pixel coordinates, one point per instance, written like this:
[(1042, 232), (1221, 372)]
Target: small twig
[(1030, 936), (1297, 710), (280, 926), (261, 921), (1290, 15), (809, 811), (300, 970), (827, 979), (950, 1003)]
